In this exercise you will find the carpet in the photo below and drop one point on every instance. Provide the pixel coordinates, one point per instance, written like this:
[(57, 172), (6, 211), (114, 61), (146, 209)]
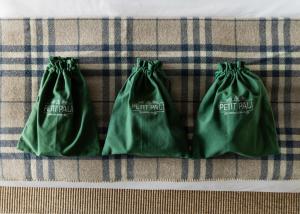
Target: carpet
[(52, 200)]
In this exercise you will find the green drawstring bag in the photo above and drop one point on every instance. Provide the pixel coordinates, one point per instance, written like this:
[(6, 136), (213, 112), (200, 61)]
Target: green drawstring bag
[(235, 116), (62, 121), (144, 121)]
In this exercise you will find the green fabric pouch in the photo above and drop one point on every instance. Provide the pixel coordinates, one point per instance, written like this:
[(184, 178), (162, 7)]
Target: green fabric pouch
[(62, 121), (144, 121), (235, 116)]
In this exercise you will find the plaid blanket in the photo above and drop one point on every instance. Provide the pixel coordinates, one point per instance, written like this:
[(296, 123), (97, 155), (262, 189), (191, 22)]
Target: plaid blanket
[(190, 50)]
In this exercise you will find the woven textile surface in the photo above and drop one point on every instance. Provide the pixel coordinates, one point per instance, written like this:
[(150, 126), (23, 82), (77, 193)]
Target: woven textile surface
[(189, 48), (67, 200)]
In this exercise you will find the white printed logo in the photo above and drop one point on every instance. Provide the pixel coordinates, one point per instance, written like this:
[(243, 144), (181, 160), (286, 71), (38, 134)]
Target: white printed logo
[(59, 107), (148, 107), (236, 105)]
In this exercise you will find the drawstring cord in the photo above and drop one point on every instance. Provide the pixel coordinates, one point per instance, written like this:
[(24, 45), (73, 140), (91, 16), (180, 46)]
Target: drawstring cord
[(62, 64), (147, 66), (229, 68)]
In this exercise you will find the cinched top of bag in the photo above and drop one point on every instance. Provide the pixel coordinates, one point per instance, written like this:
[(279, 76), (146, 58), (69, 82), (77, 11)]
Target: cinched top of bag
[(230, 68), (62, 64), (147, 66)]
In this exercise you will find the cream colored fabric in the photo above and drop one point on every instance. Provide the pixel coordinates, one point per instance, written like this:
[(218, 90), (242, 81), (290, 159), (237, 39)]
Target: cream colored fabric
[(153, 8)]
